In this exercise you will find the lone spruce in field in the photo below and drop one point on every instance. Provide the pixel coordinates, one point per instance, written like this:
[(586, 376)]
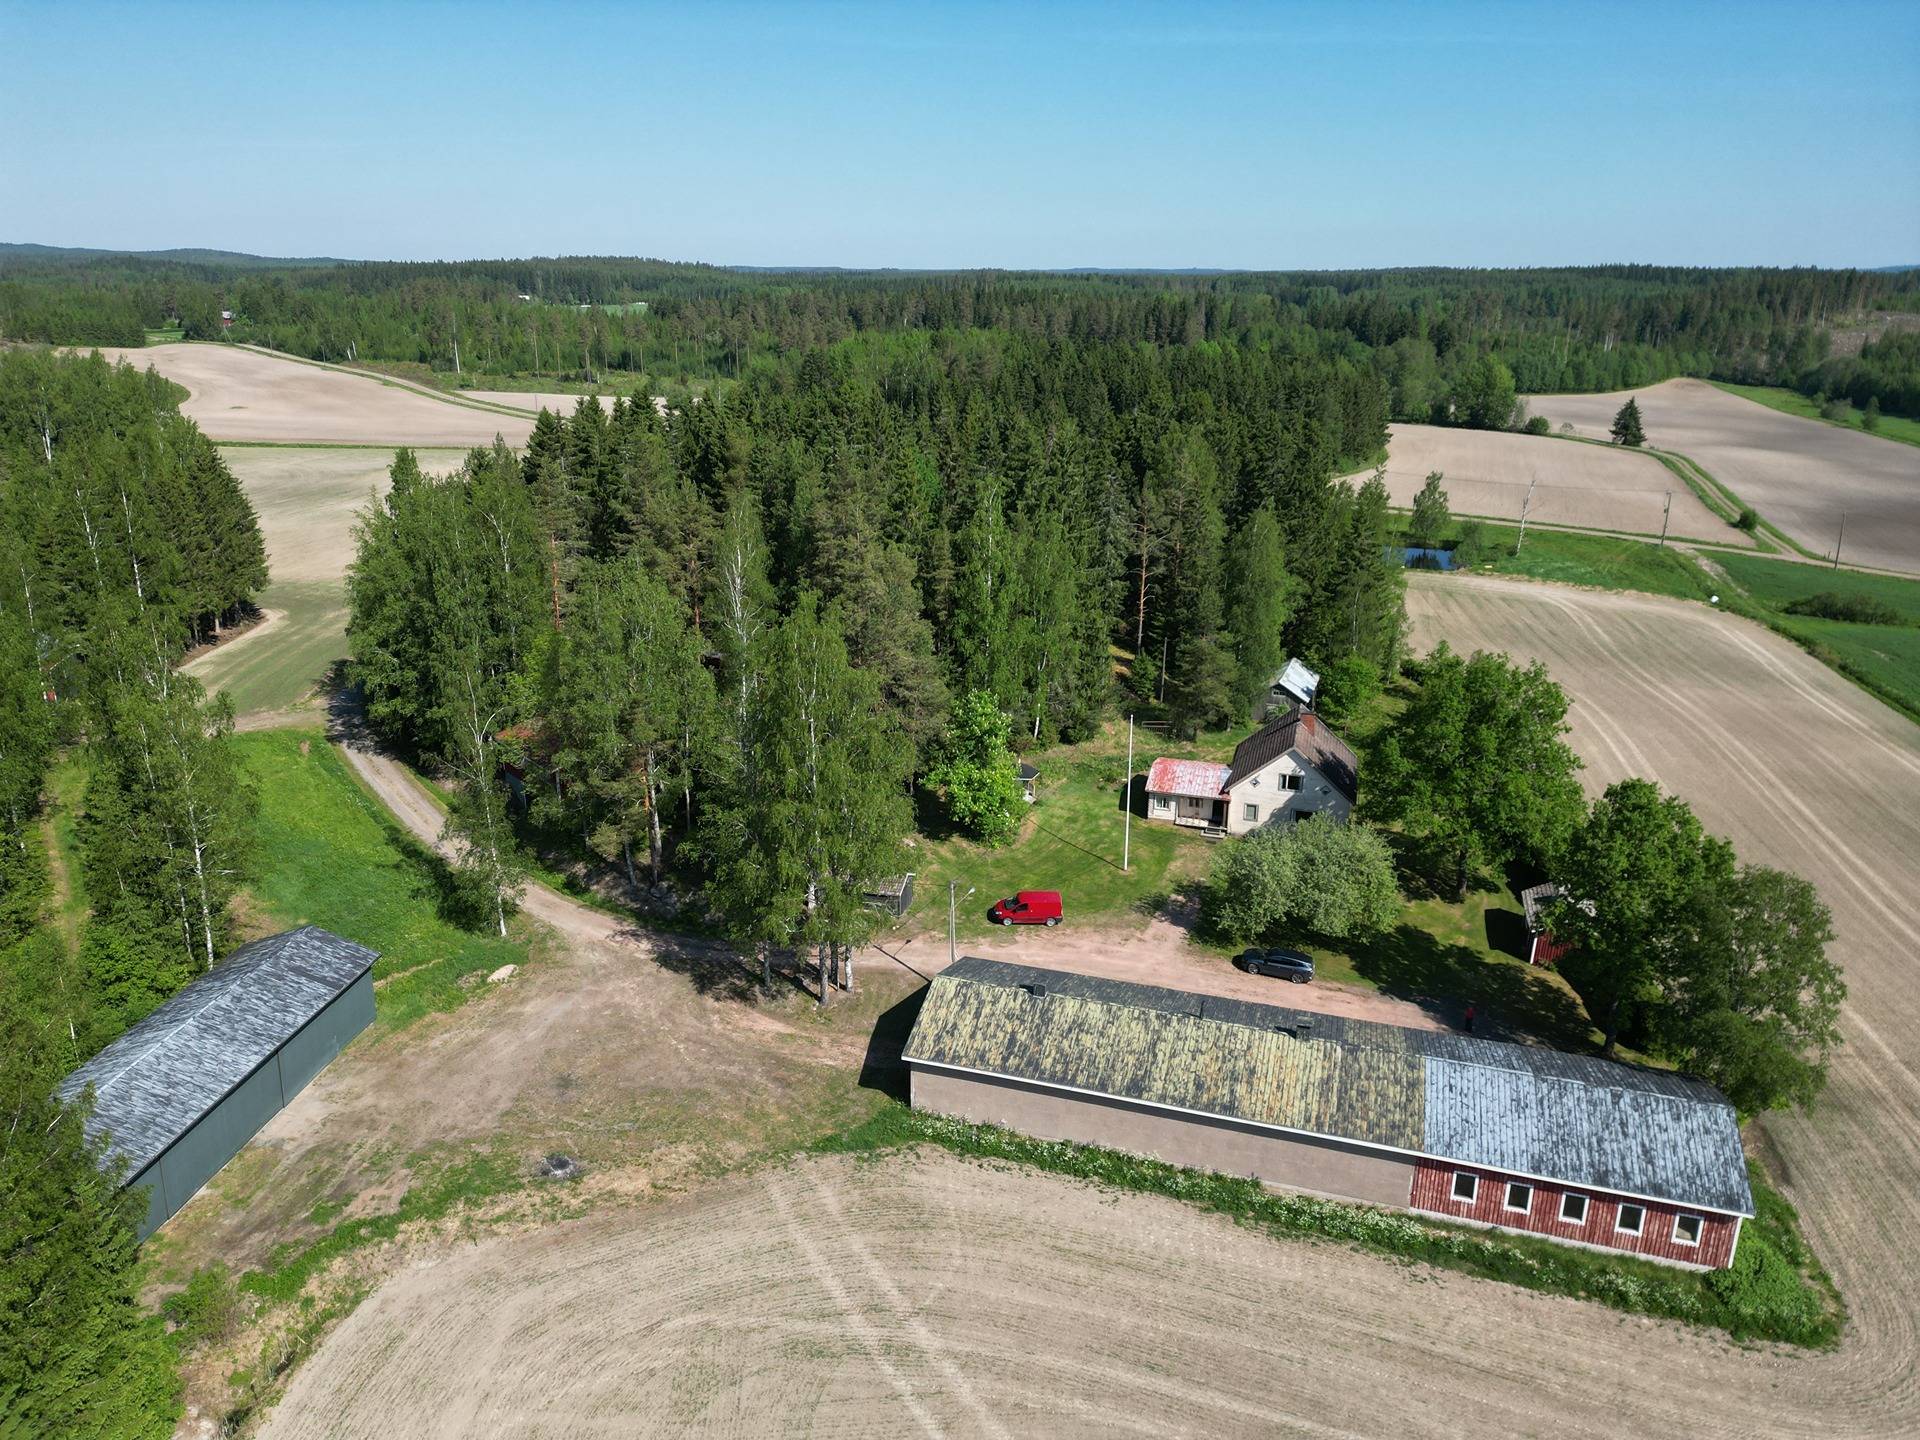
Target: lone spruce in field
[(1627, 429)]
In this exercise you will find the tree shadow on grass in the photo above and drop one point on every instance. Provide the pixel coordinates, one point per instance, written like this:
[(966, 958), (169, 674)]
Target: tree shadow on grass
[(720, 971), (1510, 1001)]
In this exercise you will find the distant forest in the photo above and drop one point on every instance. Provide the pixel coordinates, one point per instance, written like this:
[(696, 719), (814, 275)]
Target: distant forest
[(1596, 328)]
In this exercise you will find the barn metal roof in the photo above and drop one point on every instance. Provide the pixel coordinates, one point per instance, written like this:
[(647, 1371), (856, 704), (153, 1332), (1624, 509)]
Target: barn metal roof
[(153, 1083), (1518, 1108), (1197, 779)]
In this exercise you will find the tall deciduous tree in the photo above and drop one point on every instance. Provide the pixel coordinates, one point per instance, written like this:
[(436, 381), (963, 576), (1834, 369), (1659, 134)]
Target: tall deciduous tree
[(975, 772), (1634, 870), (1476, 764)]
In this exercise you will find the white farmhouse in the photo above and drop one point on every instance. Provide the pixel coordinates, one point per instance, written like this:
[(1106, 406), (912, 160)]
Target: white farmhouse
[(1288, 769)]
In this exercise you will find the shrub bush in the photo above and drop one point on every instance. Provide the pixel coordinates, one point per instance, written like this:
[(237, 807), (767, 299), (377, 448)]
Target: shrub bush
[(1539, 425), (1748, 519), (1838, 605)]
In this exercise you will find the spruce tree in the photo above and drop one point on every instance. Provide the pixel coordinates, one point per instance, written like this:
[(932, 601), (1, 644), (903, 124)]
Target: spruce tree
[(1627, 429)]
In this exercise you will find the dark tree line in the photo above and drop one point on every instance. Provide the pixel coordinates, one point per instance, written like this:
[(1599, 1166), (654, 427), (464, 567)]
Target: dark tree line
[(123, 539), (1593, 328)]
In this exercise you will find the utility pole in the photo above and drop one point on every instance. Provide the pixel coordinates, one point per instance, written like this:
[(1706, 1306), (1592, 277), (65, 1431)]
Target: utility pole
[(1664, 514), (953, 927), (1525, 505), (1126, 825), (1840, 541)]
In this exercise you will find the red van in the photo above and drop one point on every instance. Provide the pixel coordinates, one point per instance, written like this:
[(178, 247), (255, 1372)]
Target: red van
[(1029, 907)]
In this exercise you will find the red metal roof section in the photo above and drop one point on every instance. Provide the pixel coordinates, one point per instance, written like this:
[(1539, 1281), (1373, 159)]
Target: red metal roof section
[(1196, 779)]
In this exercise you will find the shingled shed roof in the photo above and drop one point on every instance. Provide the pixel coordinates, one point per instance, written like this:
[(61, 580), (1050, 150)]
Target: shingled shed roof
[(1516, 1108), (1306, 732), (154, 1082)]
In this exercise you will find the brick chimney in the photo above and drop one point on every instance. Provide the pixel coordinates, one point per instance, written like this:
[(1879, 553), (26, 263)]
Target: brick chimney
[(1309, 722)]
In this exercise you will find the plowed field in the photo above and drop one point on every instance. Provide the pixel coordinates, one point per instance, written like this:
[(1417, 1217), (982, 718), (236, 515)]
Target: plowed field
[(1798, 473), (1593, 487)]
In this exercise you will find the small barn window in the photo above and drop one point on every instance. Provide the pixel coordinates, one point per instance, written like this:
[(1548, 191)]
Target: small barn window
[(1632, 1218), (1686, 1229), (1465, 1186), (1573, 1209), (1519, 1197)]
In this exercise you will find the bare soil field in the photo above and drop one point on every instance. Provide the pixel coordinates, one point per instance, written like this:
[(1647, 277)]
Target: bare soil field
[(306, 500), (535, 402), (926, 1295), (1488, 473), (1798, 473), (243, 394)]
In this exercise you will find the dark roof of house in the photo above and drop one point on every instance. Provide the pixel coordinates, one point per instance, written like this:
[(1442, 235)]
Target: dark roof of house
[(1517, 1108), (1306, 732), (155, 1082)]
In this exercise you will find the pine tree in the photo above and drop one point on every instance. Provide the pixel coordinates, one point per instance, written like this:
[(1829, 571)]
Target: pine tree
[(1627, 429)]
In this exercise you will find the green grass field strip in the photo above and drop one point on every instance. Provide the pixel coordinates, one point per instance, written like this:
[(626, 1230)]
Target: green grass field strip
[(281, 668), (66, 791), (1599, 561), (1898, 428), (1776, 1290), (329, 854)]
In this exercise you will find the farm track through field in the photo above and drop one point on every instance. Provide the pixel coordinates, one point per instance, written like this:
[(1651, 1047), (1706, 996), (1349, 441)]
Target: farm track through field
[(927, 1296)]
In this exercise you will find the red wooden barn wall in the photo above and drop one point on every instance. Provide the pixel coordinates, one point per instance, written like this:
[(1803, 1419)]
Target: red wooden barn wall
[(1433, 1192)]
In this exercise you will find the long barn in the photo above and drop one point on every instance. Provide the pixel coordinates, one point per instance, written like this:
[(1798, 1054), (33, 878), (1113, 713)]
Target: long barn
[(180, 1093), (1576, 1149)]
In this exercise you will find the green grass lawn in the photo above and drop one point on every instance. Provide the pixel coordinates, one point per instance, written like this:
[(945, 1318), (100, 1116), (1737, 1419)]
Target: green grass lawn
[(1071, 841), (329, 854), (1602, 561), (1883, 659), (1792, 402), (164, 336), (277, 670)]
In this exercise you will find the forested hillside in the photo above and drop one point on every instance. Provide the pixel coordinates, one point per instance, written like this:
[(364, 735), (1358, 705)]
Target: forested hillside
[(1597, 328)]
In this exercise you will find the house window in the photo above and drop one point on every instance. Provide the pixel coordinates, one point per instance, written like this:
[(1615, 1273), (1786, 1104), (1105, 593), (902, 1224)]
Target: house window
[(1686, 1229), (1465, 1187), (1519, 1197), (1289, 782), (1632, 1219), (1250, 812), (1162, 802), (1573, 1209)]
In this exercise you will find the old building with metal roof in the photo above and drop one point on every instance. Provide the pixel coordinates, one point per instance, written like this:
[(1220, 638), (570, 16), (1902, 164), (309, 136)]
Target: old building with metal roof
[(1571, 1147), (181, 1092)]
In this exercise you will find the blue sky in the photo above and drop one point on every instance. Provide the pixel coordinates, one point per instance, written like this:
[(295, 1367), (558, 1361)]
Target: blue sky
[(1259, 136)]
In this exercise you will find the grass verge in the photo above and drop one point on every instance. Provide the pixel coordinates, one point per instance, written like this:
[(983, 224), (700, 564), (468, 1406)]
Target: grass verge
[(329, 854), (1792, 402), (1775, 1290), (1601, 561)]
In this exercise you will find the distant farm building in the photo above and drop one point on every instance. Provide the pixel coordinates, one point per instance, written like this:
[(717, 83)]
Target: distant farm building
[(1029, 782), (1542, 947), (180, 1093), (1289, 769), (1512, 1137)]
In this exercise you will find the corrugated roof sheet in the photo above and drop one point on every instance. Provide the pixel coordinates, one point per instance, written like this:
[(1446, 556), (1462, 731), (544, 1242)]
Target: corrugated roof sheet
[(1198, 779), (1299, 682), (155, 1081), (1512, 1107)]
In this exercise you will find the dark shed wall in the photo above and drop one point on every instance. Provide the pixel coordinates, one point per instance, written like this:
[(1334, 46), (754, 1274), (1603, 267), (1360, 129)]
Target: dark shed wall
[(219, 1135), (315, 1044), (1199, 1142)]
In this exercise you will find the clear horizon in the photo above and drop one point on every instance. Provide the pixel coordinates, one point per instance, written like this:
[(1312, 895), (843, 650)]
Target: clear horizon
[(975, 136)]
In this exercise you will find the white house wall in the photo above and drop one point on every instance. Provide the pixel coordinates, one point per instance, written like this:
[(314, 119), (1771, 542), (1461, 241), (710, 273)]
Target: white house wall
[(1262, 788)]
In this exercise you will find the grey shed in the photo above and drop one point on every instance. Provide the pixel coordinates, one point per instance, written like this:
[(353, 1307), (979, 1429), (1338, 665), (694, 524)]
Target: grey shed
[(180, 1093)]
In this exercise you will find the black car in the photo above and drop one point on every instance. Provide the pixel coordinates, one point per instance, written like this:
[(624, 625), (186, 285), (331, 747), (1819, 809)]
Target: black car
[(1283, 964)]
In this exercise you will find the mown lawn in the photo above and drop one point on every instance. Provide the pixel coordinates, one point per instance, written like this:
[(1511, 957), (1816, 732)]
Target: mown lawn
[(329, 854), (1071, 841), (1778, 583), (1792, 402)]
